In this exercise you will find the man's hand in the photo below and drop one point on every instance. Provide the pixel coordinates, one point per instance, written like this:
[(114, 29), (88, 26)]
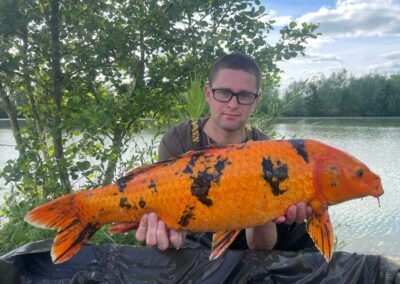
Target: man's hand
[(265, 236), (297, 213), (154, 232), (262, 237)]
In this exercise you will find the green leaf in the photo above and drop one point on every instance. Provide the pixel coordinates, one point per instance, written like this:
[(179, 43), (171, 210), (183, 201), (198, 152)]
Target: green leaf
[(83, 166)]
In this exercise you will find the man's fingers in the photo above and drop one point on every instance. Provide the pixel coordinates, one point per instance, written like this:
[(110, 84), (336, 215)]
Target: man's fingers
[(162, 236), (151, 236), (301, 212), (309, 211), (291, 214), (280, 219), (177, 238), (141, 232), (155, 233)]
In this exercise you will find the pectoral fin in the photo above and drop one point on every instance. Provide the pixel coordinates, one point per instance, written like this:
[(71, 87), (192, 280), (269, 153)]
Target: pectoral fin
[(122, 228), (221, 241), (320, 229)]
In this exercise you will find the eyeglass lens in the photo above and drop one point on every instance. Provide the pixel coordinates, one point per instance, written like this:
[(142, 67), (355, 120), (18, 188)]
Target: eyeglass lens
[(225, 95)]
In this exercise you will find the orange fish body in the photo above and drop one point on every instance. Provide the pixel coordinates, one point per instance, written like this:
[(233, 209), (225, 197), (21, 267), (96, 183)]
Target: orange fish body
[(219, 188)]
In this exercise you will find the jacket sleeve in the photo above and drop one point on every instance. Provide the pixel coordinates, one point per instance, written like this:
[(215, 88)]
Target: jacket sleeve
[(294, 238)]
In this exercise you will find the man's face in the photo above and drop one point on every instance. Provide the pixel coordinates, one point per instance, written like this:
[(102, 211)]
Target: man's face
[(231, 116)]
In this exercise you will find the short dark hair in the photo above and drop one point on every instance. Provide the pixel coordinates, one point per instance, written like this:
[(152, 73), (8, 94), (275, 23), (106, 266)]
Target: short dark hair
[(236, 61)]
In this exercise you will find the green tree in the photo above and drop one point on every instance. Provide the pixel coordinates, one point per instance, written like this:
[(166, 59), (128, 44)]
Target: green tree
[(295, 94), (392, 98), (88, 75), (342, 94), (313, 101)]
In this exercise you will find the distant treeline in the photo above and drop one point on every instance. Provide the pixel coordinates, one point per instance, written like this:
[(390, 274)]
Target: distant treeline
[(343, 94), (340, 94)]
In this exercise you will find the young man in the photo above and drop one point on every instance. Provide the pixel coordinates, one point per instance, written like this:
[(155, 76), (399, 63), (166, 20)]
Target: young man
[(232, 94)]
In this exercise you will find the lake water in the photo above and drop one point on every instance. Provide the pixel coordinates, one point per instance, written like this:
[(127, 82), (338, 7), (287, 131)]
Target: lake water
[(361, 225)]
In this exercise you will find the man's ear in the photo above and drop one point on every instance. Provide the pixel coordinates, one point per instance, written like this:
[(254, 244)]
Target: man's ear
[(258, 99), (207, 92)]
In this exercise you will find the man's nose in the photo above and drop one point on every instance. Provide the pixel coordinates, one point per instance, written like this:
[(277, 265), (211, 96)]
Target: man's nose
[(234, 102)]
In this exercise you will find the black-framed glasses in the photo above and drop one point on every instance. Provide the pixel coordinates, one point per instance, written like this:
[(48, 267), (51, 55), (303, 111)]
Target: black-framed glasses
[(225, 96)]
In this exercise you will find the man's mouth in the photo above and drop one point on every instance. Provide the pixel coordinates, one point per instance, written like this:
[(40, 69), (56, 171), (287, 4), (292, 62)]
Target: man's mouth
[(231, 115)]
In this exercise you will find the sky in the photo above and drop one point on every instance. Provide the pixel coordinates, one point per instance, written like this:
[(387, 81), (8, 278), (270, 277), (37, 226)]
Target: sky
[(361, 36)]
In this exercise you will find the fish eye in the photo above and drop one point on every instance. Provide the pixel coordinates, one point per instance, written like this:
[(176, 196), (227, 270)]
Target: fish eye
[(360, 172)]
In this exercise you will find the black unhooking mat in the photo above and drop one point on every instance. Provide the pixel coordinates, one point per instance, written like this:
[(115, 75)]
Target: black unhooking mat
[(125, 264)]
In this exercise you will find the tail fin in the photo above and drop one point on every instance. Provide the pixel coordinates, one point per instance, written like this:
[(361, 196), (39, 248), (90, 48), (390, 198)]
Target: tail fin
[(64, 215)]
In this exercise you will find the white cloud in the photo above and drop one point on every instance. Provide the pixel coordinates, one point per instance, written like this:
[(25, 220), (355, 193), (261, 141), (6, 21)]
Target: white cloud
[(316, 57), (317, 42), (279, 20), (310, 58), (385, 67), (391, 55), (350, 2), (352, 18)]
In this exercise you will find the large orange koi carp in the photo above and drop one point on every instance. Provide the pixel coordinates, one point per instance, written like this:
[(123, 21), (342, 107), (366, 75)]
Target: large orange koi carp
[(217, 189)]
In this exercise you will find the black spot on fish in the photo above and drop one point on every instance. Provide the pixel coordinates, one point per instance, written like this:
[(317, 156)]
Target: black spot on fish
[(123, 181), (204, 179), (186, 216), (298, 145), (219, 167), (189, 167), (73, 223), (123, 203), (201, 186), (152, 186), (328, 234), (142, 203), (59, 217), (274, 175), (86, 233)]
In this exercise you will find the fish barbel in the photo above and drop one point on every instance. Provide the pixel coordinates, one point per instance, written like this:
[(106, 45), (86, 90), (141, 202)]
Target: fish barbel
[(219, 189)]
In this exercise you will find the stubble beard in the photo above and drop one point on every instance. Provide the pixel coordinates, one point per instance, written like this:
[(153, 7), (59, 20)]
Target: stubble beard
[(230, 127)]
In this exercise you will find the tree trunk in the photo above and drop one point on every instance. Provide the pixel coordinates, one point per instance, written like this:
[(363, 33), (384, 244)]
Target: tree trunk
[(27, 79), (9, 108), (142, 46), (57, 96), (40, 137), (116, 148)]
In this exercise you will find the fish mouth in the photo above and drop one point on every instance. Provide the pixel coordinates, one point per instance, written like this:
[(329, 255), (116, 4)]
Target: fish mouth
[(378, 190)]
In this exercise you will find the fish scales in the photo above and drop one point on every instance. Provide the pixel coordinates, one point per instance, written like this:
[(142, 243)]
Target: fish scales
[(220, 188), (235, 196)]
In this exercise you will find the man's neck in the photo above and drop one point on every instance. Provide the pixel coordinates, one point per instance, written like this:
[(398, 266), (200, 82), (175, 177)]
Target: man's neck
[(221, 136)]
